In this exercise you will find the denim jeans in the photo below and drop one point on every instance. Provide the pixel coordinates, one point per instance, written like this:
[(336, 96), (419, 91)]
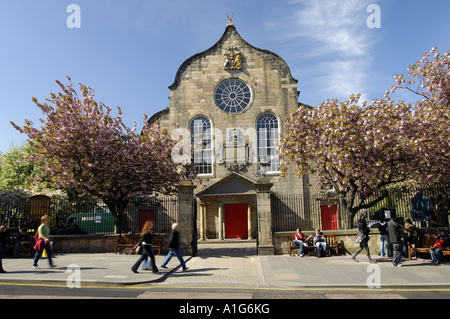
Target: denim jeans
[(147, 253), (323, 244), (17, 245), (436, 254), (38, 254), (174, 252), (384, 245), (300, 244)]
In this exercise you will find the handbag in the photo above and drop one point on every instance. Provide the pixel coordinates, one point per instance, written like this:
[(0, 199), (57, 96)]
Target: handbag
[(359, 237), (137, 248)]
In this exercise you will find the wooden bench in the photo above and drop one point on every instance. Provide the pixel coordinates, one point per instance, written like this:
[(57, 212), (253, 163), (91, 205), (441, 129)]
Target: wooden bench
[(423, 246), (126, 240), (130, 240), (331, 241), (158, 243)]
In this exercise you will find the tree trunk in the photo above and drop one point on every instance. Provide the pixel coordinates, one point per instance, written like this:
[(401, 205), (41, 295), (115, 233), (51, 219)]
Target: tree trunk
[(346, 212), (117, 208)]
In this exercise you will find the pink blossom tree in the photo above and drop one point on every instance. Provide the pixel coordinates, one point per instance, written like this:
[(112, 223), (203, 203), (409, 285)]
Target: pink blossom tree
[(362, 149), (82, 146), (429, 131)]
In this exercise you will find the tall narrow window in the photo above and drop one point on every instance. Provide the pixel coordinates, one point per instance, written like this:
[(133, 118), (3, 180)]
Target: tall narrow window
[(201, 138), (268, 142)]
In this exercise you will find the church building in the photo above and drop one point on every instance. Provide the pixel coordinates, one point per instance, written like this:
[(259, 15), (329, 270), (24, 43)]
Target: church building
[(229, 103)]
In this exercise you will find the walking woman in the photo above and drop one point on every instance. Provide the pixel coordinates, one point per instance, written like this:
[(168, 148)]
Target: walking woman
[(42, 242), (174, 247), (147, 251), (364, 244)]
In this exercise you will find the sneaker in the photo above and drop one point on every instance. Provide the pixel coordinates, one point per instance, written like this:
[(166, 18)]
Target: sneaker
[(354, 259), (397, 265), (163, 266), (184, 269), (35, 267)]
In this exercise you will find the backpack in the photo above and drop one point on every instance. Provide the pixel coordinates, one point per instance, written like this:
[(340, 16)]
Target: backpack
[(319, 252)]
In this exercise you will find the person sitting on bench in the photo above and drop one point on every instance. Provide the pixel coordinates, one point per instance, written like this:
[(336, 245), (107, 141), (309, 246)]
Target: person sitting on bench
[(300, 240), (441, 243), (319, 240)]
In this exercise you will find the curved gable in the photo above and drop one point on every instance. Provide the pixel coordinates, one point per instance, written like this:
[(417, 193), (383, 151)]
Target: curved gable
[(229, 31)]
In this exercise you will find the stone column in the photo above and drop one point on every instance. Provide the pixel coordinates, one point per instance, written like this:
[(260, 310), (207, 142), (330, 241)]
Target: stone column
[(202, 222), (186, 216), (221, 221), (264, 216), (249, 222)]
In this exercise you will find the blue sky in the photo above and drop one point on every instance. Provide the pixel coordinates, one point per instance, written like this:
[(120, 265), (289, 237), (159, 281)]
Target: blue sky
[(129, 51)]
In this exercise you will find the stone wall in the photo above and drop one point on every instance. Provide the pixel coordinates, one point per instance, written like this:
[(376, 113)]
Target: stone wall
[(83, 243), (69, 244)]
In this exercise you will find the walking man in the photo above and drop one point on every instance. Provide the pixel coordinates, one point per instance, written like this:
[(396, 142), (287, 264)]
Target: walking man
[(396, 239), (174, 247)]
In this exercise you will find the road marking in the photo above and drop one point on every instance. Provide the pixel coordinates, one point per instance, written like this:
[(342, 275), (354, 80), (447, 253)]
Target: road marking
[(238, 288)]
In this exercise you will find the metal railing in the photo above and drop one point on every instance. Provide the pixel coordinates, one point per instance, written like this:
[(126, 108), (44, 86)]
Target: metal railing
[(426, 207), (87, 216)]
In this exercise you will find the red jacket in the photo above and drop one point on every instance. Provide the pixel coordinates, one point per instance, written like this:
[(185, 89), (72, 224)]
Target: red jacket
[(441, 242), (39, 243)]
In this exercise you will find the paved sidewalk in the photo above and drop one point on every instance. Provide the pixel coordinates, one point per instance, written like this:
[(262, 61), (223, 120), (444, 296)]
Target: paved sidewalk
[(232, 265), (95, 269), (342, 272)]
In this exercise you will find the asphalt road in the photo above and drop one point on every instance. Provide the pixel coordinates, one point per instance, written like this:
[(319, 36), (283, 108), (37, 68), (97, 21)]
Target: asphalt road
[(199, 292)]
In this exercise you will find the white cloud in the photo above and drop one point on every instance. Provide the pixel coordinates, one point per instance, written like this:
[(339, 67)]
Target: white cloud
[(332, 40)]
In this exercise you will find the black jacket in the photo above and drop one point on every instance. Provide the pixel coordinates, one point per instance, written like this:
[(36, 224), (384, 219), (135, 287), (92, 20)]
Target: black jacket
[(382, 227), (174, 240), (362, 227), (394, 232), (147, 239)]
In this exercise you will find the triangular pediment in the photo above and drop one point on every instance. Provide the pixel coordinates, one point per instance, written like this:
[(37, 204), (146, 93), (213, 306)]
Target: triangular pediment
[(233, 184)]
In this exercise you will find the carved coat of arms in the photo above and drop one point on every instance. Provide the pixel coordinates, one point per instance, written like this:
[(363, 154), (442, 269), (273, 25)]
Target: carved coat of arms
[(232, 58)]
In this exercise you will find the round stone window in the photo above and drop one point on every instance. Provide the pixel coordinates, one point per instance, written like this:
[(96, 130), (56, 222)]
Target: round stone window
[(233, 96)]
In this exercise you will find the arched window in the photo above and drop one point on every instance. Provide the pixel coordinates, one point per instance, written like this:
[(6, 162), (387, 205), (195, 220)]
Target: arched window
[(201, 139), (268, 141)]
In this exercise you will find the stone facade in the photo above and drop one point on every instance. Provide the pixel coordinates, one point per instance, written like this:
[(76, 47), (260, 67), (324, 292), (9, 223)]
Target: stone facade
[(244, 184)]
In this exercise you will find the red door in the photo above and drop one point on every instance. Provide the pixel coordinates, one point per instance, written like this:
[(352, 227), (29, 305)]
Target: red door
[(236, 223), (329, 217), (145, 215)]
